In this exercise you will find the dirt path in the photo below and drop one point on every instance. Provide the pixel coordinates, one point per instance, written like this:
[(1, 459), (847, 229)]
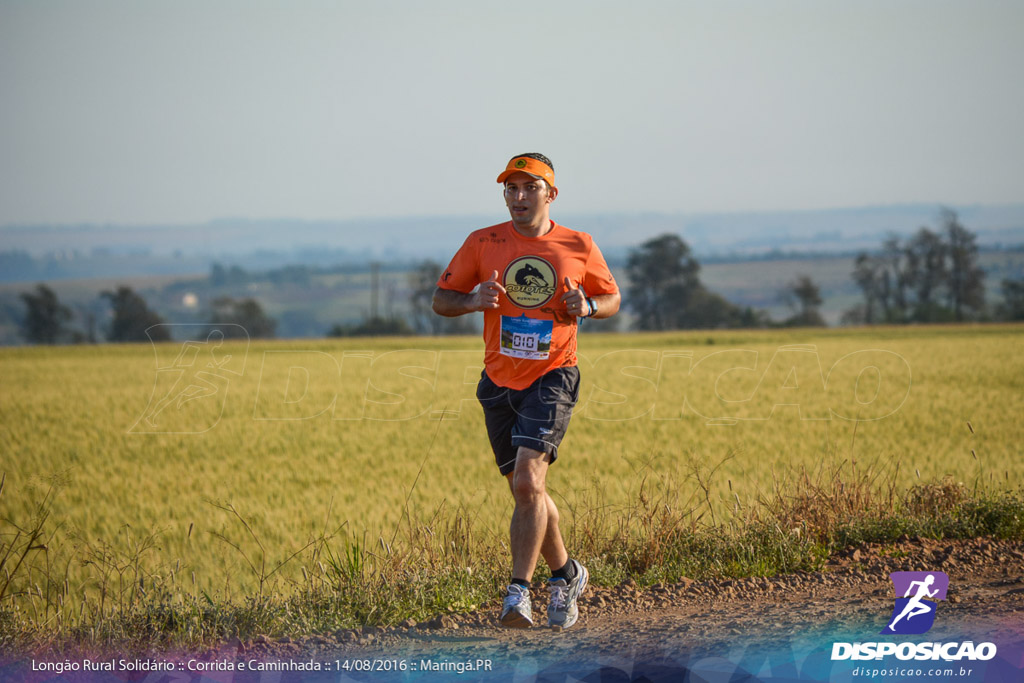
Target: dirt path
[(659, 633)]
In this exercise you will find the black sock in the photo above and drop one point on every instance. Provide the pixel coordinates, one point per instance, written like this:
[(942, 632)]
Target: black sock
[(521, 582), (568, 572)]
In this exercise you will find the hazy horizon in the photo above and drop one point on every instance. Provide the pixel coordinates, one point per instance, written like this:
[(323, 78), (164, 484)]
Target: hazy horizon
[(708, 234)]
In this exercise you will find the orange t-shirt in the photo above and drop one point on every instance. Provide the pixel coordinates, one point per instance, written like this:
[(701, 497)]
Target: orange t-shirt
[(531, 332)]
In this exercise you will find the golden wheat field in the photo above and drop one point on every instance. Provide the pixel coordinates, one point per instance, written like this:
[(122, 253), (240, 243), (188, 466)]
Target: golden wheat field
[(150, 447)]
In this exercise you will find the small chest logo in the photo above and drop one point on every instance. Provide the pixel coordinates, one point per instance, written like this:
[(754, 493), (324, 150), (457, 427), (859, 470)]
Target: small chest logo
[(530, 281)]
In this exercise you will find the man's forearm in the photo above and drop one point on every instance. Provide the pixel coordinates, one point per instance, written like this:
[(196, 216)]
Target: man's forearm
[(607, 305), (449, 303)]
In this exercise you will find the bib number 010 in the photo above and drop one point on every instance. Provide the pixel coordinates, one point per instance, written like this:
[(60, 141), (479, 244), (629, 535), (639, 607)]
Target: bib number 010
[(525, 342)]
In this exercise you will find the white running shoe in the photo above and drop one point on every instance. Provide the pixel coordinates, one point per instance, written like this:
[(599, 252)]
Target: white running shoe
[(562, 609), (517, 610)]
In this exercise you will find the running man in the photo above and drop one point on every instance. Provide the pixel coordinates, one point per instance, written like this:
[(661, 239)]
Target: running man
[(198, 382), (915, 606), (534, 280)]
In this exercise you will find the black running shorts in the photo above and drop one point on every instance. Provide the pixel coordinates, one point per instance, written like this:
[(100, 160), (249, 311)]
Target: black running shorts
[(536, 417)]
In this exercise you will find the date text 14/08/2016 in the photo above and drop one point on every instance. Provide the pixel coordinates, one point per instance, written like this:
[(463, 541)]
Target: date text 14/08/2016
[(459, 666), (220, 665)]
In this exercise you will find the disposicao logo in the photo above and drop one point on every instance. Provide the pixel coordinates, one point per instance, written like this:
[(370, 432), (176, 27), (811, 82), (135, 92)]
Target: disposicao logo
[(917, 596), (914, 612)]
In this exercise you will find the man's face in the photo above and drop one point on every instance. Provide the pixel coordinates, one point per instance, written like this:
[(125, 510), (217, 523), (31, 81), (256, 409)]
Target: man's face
[(527, 198)]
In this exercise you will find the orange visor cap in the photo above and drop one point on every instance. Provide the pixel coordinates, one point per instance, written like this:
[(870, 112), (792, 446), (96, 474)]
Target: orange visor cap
[(538, 169)]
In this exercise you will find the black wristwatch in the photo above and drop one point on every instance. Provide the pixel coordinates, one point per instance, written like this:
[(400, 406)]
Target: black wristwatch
[(593, 308)]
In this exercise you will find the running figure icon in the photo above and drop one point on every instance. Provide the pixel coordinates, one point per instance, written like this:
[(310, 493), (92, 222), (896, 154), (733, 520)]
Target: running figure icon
[(915, 606), (192, 382), (190, 387)]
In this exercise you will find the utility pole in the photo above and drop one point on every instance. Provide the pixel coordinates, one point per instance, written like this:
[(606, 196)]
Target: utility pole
[(374, 289)]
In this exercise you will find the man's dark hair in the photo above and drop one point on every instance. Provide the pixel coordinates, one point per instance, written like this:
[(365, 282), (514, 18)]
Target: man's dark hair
[(538, 156)]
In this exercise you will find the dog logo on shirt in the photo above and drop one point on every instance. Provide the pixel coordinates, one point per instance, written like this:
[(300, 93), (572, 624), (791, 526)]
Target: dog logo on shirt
[(528, 276), (530, 281)]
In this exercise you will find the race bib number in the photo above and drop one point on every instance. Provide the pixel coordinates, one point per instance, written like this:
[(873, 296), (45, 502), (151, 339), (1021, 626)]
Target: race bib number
[(524, 337)]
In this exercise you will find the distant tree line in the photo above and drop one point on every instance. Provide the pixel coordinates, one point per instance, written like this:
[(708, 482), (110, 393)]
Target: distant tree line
[(931, 277), (130, 319)]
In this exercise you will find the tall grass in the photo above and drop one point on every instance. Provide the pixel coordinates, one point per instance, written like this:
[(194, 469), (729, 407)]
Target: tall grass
[(444, 562)]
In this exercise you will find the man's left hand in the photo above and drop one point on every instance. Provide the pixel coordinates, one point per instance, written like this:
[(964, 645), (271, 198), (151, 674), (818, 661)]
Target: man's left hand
[(575, 302)]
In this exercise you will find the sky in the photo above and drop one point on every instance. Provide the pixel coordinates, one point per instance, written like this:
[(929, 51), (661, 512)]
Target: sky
[(131, 112)]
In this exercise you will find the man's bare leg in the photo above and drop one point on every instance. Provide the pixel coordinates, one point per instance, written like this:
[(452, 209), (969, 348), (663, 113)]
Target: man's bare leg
[(534, 527)]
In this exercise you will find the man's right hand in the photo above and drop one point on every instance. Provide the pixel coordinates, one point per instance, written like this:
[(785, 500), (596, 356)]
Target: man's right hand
[(487, 294)]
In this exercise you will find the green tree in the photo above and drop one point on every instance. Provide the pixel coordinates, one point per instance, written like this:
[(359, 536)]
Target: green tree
[(884, 278), (926, 257), (868, 276), (133, 320), (896, 279), (666, 293), (663, 277), (966, 280), (805, 297), (422, 283), (1012, 307), (240, 319), (708, 310), (45, 317)]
